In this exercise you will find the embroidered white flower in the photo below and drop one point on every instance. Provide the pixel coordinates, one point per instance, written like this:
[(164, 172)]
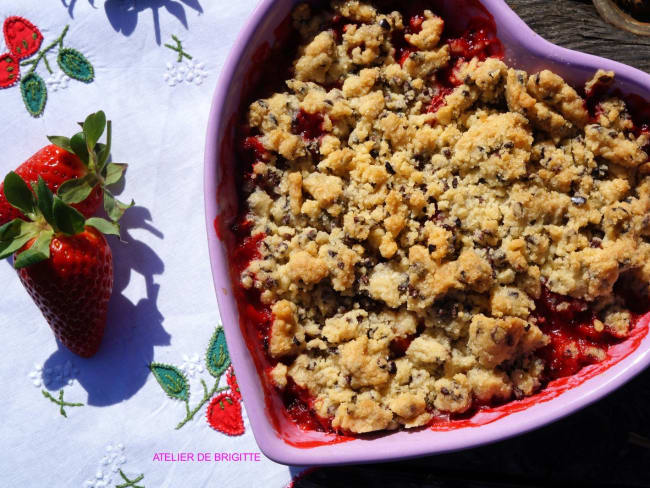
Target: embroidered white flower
[(189, 71), (109, 465), (58, 81), (192, 365), (53, 375)]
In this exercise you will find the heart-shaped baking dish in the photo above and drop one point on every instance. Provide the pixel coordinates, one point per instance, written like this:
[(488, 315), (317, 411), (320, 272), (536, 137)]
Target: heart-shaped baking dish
[(279, 438)]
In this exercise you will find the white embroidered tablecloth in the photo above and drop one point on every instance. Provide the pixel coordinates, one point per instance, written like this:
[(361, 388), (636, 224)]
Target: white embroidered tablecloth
[(152, 67)]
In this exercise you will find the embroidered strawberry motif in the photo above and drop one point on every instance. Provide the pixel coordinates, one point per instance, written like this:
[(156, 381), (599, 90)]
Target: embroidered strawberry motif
[(231, 379), (22, 37), (224, 414), (9, 70), (24, 40)]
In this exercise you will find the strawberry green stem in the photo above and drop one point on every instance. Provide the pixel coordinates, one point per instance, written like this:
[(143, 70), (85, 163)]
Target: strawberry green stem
[(60, 402), (206, 396), (41, 54)]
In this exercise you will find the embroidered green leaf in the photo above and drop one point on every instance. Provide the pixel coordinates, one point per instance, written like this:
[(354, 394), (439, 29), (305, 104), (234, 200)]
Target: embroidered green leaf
[(34, 92), (75, 65), (172, 381), (217, 359)]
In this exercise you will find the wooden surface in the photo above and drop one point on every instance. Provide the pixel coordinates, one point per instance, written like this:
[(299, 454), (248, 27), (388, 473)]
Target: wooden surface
[(605, 444), (576, 25)]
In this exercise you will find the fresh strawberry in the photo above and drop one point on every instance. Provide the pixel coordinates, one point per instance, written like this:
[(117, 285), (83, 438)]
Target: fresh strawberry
[(55, 166), (63, 261), (72, 288), (9, 70), (76, 169), (21, 36), (224, 414)]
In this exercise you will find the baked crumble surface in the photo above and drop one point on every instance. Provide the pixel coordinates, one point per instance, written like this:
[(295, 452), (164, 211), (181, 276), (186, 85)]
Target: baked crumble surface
[(415, 210)]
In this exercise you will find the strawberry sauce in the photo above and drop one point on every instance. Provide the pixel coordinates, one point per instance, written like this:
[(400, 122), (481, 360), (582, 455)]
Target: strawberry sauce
[(570, 356)]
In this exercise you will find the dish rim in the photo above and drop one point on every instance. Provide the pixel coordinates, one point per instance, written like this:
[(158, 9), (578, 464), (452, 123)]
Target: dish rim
[(356, 451)]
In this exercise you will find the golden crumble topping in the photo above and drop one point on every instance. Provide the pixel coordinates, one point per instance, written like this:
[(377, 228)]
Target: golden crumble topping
[(411, 227)]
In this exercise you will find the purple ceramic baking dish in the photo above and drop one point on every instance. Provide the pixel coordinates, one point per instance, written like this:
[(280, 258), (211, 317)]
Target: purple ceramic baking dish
[(523, 49)]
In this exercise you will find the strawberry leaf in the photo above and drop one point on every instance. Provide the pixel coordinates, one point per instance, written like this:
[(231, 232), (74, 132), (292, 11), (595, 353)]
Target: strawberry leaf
[(39, 251), (104, 150), (172, 380), (78, 145), (217, 359), (77, 189), (45, 200), (104, 226), (93, 128), (114, 173), (14, 235), (114, 208), (61, 141), (67, 219), (18, 193)]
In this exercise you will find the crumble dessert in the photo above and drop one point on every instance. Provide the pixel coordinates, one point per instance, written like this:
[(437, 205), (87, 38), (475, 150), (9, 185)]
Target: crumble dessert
[(431, 230)]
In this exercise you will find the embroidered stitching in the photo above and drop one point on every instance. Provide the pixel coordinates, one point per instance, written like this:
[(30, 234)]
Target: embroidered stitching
[(178, 48), (108, 467), (129, 482), (172, 381), (34, 93), (188, 72), (217, 360), (9, 70), (21, 36), (192, 365), (23, 40), (60, 402), (224, 414), (53, 375), (58, 81), (75, 65), (231, 379)]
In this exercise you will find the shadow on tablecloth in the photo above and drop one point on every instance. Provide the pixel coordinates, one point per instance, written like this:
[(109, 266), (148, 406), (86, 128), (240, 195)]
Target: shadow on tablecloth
[(119, 369), (123, 14)]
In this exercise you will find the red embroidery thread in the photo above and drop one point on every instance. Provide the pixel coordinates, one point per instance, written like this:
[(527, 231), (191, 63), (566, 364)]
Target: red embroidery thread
[(22, 37), (224, 414)]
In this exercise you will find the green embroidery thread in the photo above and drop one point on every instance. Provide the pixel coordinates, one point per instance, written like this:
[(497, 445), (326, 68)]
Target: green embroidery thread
[(217, 361), (34, 93), (128, 482), (60, 402), (178, 48), (75, 65), (41, 54), (172, 381)]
